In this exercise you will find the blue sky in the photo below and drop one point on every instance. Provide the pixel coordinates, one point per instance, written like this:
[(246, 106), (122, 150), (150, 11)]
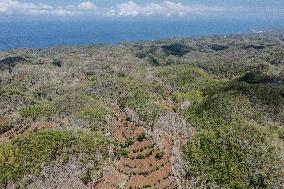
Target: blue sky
[(142, 8)]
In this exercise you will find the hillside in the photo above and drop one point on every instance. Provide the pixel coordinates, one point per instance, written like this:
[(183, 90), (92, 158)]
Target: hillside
[(202, 112)]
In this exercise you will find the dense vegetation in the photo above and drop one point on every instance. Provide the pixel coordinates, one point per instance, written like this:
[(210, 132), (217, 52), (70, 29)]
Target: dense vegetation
[(238, 145), (57, 104), (25, 154)]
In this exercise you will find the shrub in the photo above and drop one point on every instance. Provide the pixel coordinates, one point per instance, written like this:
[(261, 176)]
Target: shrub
[(188, 81), (95, 114), (234, 135), (141, 137), (87, 177), (26, 153), (160, 155), (153, 60), (57, 62), (228, 154), (5, 127), (80, 106), (124, 152), (35, 111), (176, 49), (141, 97), (128, 143)]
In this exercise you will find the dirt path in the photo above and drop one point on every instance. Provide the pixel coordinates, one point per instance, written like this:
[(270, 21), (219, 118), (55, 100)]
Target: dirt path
[(143, 164)]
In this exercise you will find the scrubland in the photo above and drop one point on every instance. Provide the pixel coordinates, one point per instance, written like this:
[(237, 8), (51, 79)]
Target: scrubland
[(223, 94)]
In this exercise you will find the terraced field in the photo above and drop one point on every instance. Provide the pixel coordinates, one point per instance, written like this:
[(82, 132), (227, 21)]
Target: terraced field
[(15, 130), (202, 112), (143, 164)]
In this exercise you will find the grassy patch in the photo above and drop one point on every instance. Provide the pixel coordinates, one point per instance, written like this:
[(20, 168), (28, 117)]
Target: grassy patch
[(142, 97), (79, 106), (25, 154), (234, 136), (188, 81)]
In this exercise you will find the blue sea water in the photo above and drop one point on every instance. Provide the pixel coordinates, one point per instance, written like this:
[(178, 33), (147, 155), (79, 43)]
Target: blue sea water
[(35, 34)]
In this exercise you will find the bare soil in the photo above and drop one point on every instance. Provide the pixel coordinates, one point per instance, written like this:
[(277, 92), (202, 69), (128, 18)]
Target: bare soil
[(141, 166)]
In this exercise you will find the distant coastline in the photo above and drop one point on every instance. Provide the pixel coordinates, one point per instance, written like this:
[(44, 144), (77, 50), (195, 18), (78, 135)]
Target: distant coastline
[(36, 34)]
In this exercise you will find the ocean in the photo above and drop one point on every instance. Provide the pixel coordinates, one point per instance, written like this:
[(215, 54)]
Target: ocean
[(40, 34)]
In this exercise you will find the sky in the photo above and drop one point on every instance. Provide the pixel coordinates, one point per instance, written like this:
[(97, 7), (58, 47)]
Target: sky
[(183, 9)]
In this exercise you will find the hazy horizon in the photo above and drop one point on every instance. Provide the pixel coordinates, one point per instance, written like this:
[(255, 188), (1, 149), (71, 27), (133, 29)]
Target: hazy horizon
[(183, 9), (34, 24)]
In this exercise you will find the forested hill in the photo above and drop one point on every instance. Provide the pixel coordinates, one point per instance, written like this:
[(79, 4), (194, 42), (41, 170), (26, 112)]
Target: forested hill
[(202, 112)]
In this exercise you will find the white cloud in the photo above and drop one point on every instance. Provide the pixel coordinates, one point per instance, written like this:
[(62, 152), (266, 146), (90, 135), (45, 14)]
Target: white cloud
[(130, 8), (11, 6), (15, 7), (165, 8), (87, 6)]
